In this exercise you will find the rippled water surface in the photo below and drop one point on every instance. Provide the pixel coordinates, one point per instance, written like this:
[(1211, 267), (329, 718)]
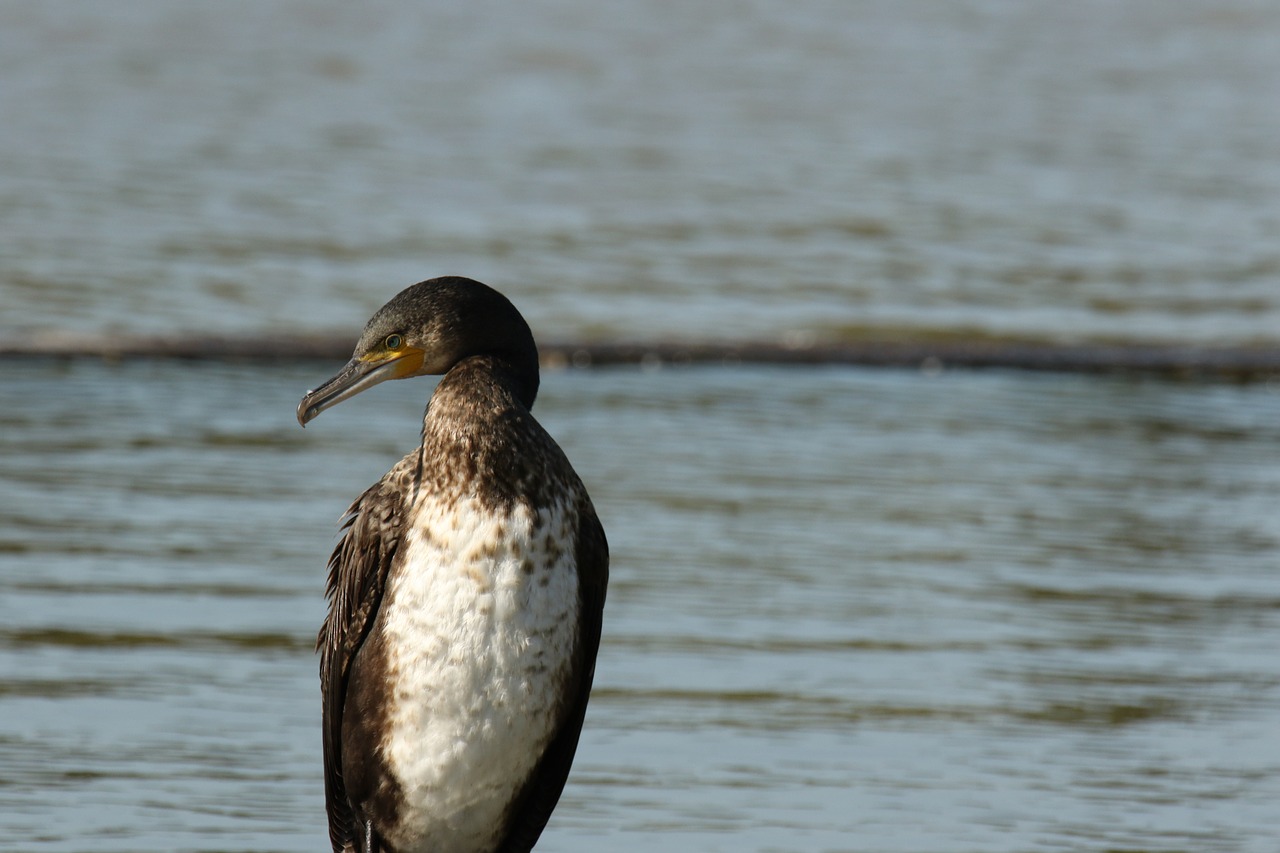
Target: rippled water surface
[(874, 611), (1093, 169), (885, 612)]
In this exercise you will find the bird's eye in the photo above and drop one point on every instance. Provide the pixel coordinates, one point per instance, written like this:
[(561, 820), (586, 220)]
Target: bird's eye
[(394, 341)]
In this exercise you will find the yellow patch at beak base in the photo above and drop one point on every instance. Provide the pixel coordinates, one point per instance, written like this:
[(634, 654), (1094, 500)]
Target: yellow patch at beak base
[(404, 362)]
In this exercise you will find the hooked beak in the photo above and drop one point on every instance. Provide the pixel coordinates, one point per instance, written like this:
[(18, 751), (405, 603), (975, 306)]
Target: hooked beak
[(359, 374)]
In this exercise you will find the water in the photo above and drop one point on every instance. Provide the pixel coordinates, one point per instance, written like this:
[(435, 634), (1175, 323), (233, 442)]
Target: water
[(875, 611), (850, 610), (1097, 170)]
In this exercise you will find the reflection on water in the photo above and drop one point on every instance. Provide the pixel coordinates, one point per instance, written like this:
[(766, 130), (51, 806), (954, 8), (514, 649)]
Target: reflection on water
[(849, 610)]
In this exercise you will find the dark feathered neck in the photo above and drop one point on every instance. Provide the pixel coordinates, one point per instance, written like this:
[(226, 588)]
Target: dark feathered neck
[(483, 441), (482, 380), (479, 400)]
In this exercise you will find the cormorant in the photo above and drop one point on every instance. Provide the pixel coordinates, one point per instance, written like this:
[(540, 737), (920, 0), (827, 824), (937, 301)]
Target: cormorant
[(465, 595)]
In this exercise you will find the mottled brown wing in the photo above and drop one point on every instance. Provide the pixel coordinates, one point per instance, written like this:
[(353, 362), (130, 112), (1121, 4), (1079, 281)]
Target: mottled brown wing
[(357, 577), (541, 793)]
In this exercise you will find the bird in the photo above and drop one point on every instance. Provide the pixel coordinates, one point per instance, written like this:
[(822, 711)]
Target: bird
[(465, 594)]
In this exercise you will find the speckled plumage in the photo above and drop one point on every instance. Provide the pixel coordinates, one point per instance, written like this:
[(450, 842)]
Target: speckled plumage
[(465, 603)]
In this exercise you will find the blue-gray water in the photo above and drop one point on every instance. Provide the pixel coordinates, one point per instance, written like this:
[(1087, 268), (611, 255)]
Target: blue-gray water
[(850, 610), (1103, 168)]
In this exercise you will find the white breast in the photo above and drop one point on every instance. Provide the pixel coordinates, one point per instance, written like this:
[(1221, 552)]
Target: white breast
[(480, 621)]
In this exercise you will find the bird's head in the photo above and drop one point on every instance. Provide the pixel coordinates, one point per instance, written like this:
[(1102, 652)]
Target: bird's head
[(425, 330)]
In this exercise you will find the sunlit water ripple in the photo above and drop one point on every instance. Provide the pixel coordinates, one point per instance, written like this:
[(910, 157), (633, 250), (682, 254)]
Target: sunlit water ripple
[(850, 610)]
